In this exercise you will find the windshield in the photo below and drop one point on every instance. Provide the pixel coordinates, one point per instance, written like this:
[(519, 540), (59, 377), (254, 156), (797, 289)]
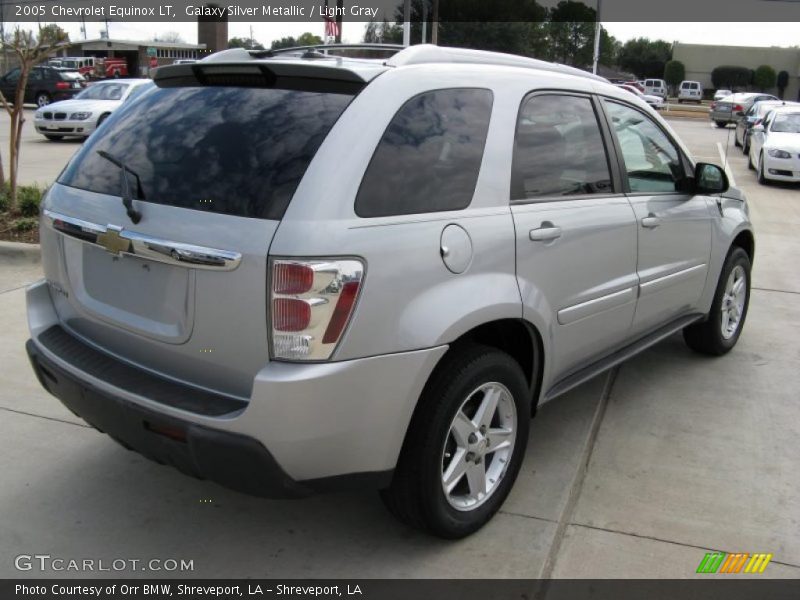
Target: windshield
[(104, 91), (237, 151), (786, 123)]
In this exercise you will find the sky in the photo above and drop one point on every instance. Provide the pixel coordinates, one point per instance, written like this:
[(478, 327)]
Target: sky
[(734, 34)]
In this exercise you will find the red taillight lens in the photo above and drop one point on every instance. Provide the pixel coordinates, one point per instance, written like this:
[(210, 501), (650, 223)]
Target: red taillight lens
[(290, 314), (62, 85), (738, 108), (713, 105), (341, 313), (292, 278)]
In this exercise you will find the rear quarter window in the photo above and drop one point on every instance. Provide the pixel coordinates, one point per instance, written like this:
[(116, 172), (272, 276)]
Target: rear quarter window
[(429, 157), (231, 150)]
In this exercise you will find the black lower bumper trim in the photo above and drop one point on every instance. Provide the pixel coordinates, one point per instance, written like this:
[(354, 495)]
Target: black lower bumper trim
[(233, 460)]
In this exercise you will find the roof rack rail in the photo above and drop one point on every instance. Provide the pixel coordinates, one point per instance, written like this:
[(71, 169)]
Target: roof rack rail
[(428, 53), (324, 49)]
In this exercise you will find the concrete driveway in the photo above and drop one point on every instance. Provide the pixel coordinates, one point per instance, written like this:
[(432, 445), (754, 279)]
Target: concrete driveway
[(638, 473)]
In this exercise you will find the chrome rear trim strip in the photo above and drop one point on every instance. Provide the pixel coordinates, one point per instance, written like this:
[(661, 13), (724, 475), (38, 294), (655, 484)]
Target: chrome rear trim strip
[(117, 240)]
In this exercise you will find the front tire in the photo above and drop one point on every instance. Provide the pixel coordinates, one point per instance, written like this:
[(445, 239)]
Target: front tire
[(465, 444), (720, 332), (760, 172), (721, 124)]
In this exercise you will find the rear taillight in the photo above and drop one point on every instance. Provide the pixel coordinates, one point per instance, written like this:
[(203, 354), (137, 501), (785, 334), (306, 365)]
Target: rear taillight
[(311, 304), (713, 105), (738, 108), (62, 85)]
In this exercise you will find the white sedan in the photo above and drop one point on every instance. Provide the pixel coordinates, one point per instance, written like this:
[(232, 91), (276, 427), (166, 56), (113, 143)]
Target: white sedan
[(655, 101), (775, 146), (81, 115)]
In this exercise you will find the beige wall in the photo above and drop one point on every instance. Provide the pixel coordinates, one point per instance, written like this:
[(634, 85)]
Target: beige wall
[(700, 60)]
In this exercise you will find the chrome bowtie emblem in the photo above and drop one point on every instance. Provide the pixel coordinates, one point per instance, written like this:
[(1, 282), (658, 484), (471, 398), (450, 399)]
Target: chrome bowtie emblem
[(112, 241)]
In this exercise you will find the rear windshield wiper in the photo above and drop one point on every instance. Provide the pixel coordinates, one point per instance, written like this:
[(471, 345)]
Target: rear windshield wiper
[(127, 199)]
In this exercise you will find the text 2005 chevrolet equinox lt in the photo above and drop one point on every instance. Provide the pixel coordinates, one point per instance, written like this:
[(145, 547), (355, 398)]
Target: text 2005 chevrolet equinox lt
[(290, 272)]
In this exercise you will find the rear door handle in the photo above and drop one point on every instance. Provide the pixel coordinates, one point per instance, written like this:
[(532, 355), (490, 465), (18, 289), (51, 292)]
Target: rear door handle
[(545, 233), (651, 221)]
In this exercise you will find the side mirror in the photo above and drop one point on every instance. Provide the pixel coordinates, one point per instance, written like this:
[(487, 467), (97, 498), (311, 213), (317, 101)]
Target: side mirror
[(710, 179)]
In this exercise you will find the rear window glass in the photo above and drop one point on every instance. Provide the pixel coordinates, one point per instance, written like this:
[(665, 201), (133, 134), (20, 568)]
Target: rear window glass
[(236, 151), (429, 157)]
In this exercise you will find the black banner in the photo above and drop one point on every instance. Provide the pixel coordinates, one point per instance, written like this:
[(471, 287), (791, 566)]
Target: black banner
[(718, 588), (392, 10)]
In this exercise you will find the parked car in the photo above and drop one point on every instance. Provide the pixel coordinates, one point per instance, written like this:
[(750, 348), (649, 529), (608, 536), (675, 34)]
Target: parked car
[(45, 84), (655, 101), (775, 146), (754, 116), (295, 274), (636, 84), (86, 111), (720, 94), (656, 87), (729, 109), (690, 91)]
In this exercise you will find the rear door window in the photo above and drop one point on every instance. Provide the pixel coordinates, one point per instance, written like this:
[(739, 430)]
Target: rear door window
[(558, 149), (231, 150), (430, 155)]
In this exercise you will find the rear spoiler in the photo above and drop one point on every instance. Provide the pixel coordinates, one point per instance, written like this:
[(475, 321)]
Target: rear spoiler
[(238, 67)]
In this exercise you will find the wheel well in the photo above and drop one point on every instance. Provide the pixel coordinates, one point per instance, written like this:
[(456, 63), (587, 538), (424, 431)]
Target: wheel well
[(517, 338), (746, 242)]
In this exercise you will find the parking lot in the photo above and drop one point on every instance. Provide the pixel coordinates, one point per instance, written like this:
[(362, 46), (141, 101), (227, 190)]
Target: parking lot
[(637, 473)]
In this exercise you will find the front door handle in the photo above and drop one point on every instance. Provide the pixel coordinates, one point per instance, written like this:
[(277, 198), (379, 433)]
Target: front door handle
[(546, 232), (651, 221)]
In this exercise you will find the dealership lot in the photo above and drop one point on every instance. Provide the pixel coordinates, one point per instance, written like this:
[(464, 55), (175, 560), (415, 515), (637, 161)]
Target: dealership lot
[(638, 473)]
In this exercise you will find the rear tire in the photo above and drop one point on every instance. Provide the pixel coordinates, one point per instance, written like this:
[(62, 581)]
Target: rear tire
[(721, 124), (42, 99), (443, 439), (718, 334)]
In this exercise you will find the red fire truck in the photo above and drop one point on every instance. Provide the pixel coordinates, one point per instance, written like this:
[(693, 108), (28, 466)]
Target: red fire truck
[(93, 67)]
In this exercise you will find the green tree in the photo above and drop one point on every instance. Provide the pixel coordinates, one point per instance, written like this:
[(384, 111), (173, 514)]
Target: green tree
[(246, 43), (645, 57), (383, 33), (674, 73), (29, 51), (782, 82), (570, 33), (730, 77), (308, 39), (764, 78), (284, 42)]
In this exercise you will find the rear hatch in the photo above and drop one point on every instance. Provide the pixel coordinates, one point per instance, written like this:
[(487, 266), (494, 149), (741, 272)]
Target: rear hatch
[(210, 170)]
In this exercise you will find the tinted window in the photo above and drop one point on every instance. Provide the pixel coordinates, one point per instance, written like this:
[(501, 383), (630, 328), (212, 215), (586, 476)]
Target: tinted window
[(558, 149), (238, 151), (651, 160), (429, 156), (103, 91)]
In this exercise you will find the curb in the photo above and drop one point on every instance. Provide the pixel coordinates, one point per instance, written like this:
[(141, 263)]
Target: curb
[(20, 252)]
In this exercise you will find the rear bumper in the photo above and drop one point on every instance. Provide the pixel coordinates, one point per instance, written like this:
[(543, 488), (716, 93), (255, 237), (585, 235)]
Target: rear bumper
[(726, 117), (306, 427), (235, 461)]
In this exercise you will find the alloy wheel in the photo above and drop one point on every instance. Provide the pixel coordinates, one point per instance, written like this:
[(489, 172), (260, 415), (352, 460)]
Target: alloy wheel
[(479, 446), (733, 299)]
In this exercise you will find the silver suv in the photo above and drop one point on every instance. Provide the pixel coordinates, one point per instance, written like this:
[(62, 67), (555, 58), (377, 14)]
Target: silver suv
[(292, 272)]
